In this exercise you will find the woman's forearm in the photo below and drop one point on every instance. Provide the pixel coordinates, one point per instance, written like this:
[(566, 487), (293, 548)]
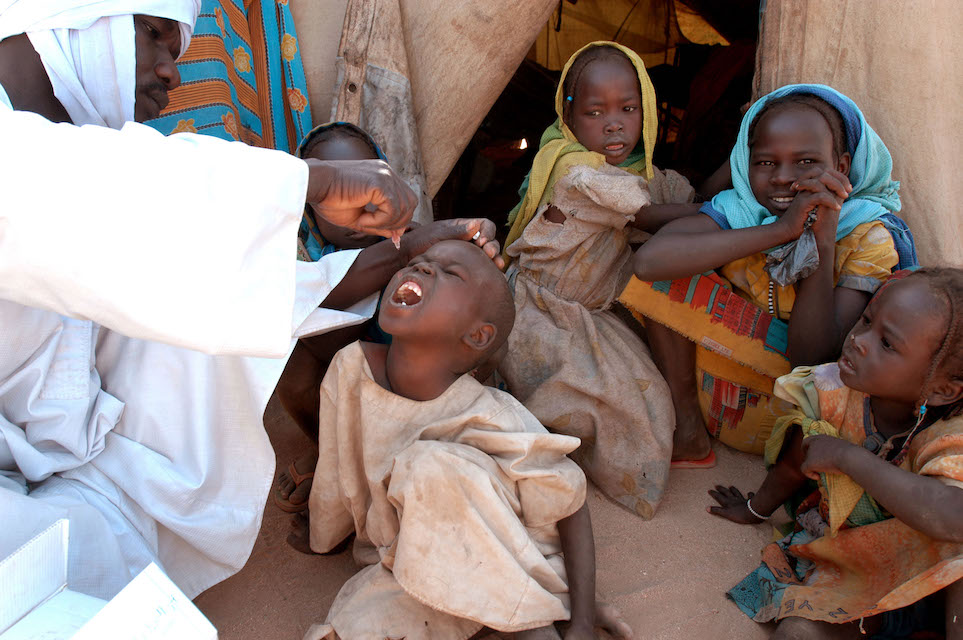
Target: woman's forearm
[(672, 255), (920, 502)]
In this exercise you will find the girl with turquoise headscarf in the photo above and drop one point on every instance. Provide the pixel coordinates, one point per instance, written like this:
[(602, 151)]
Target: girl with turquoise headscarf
[(806, 169)]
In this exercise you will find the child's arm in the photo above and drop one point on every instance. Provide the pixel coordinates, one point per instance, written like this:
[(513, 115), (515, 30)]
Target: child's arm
[(376, 265), (653, 217), (696, 244), (823, 314), (720, 180), (578, 550), (783, 480), (921, 502)]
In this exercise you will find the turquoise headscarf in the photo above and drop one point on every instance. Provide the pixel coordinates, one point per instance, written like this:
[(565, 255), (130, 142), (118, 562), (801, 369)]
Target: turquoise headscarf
[(875, 193)]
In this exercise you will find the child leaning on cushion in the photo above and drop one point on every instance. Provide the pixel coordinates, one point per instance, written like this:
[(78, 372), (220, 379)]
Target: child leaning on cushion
[(881, 432)]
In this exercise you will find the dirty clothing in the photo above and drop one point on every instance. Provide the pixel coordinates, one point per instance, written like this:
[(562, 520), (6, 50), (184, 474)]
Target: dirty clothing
[(570, 360), (875, 563), (454, 502)]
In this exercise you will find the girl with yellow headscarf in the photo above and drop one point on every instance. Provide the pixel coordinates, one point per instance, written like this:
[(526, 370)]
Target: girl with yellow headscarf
[(570, 360)]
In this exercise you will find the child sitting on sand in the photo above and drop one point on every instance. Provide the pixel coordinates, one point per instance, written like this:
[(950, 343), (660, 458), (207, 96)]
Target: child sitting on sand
[(570, 360), (806, 167), (463, 504), (378, 261), (881, 432)]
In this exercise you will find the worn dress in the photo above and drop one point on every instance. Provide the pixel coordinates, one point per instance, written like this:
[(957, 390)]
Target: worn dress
[(848, 558), (454, 502), (570, 360)]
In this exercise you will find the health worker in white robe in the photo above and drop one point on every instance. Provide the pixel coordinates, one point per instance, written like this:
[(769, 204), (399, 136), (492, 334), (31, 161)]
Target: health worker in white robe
[(149, 296)]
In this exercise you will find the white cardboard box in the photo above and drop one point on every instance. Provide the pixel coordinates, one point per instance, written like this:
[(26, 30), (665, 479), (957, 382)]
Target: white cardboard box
[(36, 605)]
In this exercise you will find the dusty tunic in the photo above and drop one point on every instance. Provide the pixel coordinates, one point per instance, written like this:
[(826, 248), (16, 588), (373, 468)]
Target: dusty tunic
[(570, 361), (454, 501)]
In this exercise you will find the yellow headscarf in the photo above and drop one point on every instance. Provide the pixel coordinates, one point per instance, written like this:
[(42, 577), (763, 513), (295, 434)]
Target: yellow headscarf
[(559, 149)]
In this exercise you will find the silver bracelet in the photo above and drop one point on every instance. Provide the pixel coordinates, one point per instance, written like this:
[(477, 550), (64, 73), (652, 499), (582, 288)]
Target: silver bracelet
[(753, 511)]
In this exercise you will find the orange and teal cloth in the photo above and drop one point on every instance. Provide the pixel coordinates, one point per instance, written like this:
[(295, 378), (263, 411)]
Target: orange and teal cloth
[(242, 77), (875, 563), (741, 351)]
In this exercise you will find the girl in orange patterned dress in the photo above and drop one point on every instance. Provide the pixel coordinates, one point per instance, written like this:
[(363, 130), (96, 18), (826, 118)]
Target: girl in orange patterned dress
[(881, 432)]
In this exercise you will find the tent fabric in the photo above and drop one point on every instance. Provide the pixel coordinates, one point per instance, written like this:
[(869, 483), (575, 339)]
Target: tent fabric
[(461, 56), (652, 29), (374, 92), (837, 42)]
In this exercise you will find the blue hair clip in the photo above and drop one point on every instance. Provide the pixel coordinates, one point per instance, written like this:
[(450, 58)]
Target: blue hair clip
[(568, 98)]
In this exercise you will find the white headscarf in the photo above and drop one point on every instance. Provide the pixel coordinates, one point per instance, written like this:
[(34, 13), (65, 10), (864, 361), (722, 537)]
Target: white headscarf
[(87, 49)]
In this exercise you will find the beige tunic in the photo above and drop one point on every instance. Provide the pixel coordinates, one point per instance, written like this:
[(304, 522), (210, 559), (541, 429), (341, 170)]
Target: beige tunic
[(454, 501), (570, 361)]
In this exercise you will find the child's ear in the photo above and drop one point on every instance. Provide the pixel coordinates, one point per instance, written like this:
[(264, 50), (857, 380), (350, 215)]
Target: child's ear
[(480, 336), (946, 392), (844, 163)]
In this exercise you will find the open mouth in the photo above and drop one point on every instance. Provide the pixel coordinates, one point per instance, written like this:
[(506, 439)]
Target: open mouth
[(846, 365), (408, 294), (615, 147)]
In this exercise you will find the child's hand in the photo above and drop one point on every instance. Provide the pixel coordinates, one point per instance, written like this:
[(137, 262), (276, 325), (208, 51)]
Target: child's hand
[(732, 505), (419, 240), (824, 191), (823, 454)]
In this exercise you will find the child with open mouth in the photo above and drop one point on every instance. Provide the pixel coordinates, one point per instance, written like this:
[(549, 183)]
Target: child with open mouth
[(467, 512)]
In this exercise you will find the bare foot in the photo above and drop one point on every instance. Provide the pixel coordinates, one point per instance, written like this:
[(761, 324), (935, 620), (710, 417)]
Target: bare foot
[(300, 536), (691, 439), (675, 356), (290, 490), (610, 619)]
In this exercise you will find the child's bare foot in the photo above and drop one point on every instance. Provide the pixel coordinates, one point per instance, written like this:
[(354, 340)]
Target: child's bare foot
[(300, 536), (294, 483), (691, 439), (675, 355), (610, 619)]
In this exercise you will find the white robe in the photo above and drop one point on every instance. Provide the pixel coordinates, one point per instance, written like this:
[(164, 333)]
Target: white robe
[(153, 450)]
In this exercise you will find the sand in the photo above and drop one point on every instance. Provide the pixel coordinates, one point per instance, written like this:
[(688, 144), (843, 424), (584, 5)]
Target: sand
[(668, 575)]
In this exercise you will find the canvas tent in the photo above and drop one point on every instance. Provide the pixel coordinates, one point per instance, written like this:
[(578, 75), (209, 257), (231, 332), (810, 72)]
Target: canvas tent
[(896, 60)]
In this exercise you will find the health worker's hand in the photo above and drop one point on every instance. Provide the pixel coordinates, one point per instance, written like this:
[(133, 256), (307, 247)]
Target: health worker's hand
[(365, 195)]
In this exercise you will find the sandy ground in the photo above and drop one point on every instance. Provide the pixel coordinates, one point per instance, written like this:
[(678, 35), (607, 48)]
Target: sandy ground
[(668, 575)]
